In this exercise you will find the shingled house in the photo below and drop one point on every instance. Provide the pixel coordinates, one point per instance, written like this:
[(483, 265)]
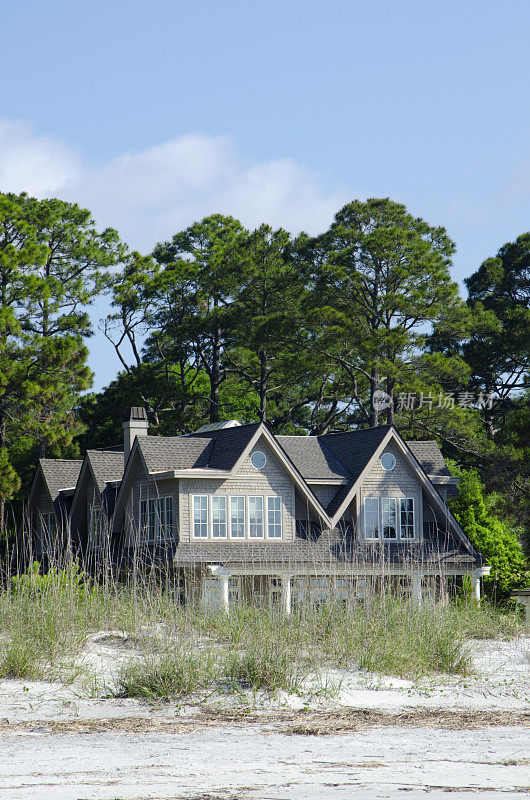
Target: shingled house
[(238, 512)]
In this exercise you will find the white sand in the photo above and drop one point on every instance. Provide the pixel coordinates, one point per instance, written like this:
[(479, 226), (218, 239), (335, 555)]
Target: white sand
[(259, 761)]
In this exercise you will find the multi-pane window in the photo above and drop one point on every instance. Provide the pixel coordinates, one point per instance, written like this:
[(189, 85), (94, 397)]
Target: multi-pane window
[(389, 517), (274, 517), (255, 517), (407, 518), (237, 518), (219, 517), (200, 516), (48, 531), (156, 518), (95, 526), (381, 514), (371, 518)]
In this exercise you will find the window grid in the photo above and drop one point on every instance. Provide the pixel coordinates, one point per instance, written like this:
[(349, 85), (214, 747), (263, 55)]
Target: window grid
[(255, 517), (389, 517), (371, 518), (156, 518), (200, 516), (407, 518), (237, 518), (219, 517), (274, 517), (381, 515)]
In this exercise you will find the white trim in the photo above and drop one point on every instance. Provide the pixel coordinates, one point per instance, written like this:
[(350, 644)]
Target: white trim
[(218, 497), (366, 537), (256, 497), (200, 538), (237, 497), (414, 523), (267, 499), (389, 500)]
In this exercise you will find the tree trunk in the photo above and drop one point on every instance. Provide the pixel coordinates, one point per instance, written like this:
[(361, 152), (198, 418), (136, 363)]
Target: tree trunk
[(215, 377), (2, 498), (374, 386), (390, 410), (263, 386)]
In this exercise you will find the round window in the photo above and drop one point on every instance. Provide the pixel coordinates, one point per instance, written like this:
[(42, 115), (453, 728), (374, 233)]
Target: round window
[(258, 460), (388, 461)]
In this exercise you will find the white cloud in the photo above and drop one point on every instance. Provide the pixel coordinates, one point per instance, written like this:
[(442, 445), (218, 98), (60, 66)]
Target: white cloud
[(150, 194), (34, 164)]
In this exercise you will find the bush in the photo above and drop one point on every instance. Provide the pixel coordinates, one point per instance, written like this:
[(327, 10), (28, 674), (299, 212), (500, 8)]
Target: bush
[(495, 538)]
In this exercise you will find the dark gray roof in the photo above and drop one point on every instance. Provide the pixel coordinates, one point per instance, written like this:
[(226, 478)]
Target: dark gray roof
[(227, 444), (312, 458), (163, 453), (60, 474), (430, 457), (354, 449), (107, 465)]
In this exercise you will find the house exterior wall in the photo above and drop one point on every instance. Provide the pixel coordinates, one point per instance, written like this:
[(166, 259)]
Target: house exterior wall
[(399, 482), (324, 492), (272, 480), (44, 504)]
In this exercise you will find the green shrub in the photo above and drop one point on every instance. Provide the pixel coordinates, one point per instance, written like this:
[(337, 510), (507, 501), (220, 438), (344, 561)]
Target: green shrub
[(494, 538)]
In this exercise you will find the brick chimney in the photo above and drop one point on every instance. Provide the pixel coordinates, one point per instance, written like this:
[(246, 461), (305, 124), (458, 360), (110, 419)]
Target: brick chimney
[(135, 425)]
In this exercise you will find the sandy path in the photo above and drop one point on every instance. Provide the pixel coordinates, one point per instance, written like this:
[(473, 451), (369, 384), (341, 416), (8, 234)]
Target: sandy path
[(239, 762)]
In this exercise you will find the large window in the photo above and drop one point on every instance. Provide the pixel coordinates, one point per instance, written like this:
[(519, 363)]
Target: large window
[(255, 517), (407, 518), (219, 517), (200, 516), (156, 518), (237, 518), (389, 517), (381, 516), (274, 517), (371, 518)]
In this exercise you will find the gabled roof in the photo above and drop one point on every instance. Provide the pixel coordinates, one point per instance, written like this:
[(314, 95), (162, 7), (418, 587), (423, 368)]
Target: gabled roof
[(107, 466), (59, 474), (227, 444), (430, 457), (312, 458), (354, 449)]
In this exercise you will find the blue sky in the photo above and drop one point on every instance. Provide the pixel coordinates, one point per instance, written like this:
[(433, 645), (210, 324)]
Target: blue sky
[(156, 114)]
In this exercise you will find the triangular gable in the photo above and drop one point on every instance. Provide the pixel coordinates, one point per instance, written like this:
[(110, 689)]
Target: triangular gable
[(135, 456), (393, 435), (86, 468), (290, 468), (39, 477)]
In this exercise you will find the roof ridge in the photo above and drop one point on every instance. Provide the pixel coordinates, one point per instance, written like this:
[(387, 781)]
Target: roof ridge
[(66, 460)]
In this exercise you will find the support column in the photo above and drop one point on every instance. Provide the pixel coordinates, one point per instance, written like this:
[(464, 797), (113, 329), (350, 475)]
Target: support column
[(416, 589), (223, 591), (476, 575), (223, 576), (286, 594)]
